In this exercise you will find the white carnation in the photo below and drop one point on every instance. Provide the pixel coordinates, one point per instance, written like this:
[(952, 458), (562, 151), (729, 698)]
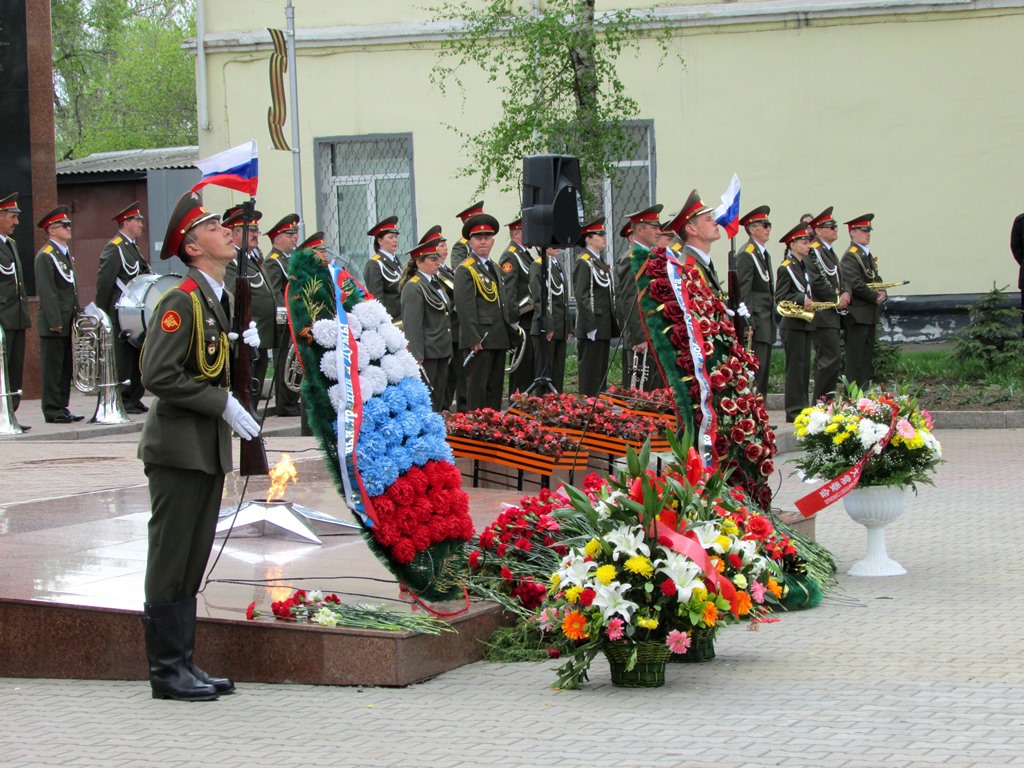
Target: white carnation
[(335, 394), (371, 345), (372, 382), (817, 422), (363, 362), (353, 323), (870, 432), (329, 366), (393, 337), (325, 333), (371, 314), (401, 365)]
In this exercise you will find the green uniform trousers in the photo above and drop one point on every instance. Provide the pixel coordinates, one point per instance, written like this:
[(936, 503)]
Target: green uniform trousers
[(828, 362), (798, 370)]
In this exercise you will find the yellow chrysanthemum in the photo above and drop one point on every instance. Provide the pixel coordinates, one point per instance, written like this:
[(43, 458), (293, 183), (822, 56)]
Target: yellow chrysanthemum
[(592, 548), (640, 565), (724, 543), (841, 438), (832, 428), (606, 574), (730, 527), (572, 594), (699, 595), (647, 623)]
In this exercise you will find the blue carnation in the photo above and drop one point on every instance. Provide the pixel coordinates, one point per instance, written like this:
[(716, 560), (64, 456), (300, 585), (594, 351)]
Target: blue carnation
[(394, 398), (375, 413), (410, 423), (392, 433), (416, 393)]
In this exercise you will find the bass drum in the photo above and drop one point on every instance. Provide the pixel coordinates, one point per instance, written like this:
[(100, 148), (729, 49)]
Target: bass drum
[(137, 304)]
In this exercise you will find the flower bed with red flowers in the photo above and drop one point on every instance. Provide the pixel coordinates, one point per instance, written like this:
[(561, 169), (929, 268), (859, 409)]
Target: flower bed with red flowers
[(655, 404), (488, 426)]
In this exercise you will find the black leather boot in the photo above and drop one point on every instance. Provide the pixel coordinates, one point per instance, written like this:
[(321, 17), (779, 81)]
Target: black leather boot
[(188, 622), (169, 674)]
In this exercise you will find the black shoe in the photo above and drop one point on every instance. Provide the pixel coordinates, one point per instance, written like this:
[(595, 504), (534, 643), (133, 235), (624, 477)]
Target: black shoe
[(135, 408), (143, 408), (72, 416), (64, 418), (169, 674), (289, 413), (24, 428), (188, 621)]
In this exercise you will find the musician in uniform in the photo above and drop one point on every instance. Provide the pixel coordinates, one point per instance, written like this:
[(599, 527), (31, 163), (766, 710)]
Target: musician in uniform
[(696, 228), (425, 307), (121, 261), (595, 316), (14, 315), (461, 249), (455, 387), (515, 274), (558, 331), (264, 302), (484, 324), (58, 305), (757, 291), (859, 268), (383, 272), (646, 375), (791, 284), (283, 237), (827, 285), (186, 444)]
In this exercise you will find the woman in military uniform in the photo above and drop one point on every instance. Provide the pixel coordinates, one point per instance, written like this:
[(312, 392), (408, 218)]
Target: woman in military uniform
[(791, 284), (425, 318), (383, 272)]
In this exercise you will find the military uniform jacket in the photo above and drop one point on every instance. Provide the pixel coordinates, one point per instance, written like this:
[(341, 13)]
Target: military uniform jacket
[(58, 292), (459, 252), (381, 276), (627, 305), (13, 300), (858, 270), (688, 255), (826, 280), (119, 260), (481, 302), (791, 285), (592, 287), (264, 301), (425, 319), (276, 267), (185, 364), (757, 291), (558, 299), (515, 274)]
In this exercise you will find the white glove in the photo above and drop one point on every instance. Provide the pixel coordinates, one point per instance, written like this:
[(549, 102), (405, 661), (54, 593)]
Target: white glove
[(250, 336), (742, 310), (239, 420), (592, 335), (729, 312)]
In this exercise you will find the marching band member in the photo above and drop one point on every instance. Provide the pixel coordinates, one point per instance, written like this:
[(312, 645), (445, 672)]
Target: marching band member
[(383, 271), (791, 284), (425, 318), (595, 318)]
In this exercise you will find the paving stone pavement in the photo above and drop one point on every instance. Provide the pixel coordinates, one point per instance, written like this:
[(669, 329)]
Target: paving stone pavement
[(921, 670)]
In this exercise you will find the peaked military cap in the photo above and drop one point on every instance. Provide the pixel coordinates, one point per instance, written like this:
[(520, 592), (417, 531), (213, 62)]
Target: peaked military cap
[(188, 213)]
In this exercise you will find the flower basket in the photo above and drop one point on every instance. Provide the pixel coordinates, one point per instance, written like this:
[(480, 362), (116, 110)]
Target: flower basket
[(649, 668), (702, 647)]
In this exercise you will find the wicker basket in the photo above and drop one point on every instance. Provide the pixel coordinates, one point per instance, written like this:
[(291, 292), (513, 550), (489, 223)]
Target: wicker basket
[(702, 647), (649, 669)]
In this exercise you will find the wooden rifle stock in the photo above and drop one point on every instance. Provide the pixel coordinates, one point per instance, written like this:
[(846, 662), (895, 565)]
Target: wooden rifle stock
[(252, 459)]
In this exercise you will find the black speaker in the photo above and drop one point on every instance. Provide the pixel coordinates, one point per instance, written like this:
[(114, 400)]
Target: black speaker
[(552, 204)]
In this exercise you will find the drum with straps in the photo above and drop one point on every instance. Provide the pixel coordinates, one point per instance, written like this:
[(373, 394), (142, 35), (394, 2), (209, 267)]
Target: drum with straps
[(138, 303)]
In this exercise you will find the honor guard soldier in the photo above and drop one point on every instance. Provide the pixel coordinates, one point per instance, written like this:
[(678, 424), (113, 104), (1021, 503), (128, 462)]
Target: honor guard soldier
[(283, 237), (14, 315), (859, 268), (425, 310), (461, 249), (315, 243), (595, 315), (827, 285), (696, 228), (757, 291), (383, 272), (665, 235), (515, 274), (558, 331), (635, 347), (484, 325), (121, 261), (455, 388), (58, 305), (264, 302), (791, 285), (186, 444)]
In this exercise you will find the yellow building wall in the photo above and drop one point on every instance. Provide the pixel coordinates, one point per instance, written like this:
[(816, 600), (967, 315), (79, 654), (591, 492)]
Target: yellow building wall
[(915, 118)]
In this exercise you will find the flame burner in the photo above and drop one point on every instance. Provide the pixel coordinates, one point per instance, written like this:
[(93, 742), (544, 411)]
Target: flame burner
[(276, 516)]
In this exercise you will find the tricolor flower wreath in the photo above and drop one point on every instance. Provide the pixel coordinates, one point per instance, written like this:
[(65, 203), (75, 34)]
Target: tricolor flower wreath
[(383, 445), (709, 371)]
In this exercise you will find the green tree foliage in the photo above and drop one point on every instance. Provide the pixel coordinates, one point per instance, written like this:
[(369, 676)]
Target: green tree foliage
[(554, 64), (992, 336), (121, 78)]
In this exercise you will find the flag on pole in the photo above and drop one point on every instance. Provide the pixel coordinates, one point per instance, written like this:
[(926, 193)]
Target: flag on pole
[(728, 213), (236, 168)]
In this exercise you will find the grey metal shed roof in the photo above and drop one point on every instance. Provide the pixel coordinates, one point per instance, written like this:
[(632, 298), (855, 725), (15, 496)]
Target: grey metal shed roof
[(132, 160)]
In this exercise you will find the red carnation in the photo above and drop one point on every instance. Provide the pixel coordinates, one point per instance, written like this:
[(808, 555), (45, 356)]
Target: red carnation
[(735, 561), (474, 559), (506, 574), (250, 612), (668, 588), (587, 597)]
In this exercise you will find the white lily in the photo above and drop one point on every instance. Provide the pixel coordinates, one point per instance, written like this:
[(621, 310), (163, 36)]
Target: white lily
[(611, 599), (707, 535), (684, 573), (575, 570), (629, 541)]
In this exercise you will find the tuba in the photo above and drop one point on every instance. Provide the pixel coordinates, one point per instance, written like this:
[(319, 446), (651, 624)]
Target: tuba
[(94, 368), (515, 355), (8, 425)]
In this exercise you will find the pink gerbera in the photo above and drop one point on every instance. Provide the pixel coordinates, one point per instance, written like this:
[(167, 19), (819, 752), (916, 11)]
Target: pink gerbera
[(905, 429), (678, 642), (614, 630), (757, 590)]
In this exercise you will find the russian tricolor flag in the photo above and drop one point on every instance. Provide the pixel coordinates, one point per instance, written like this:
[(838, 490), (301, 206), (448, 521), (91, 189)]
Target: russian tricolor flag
[(236, 168), (728, 213)]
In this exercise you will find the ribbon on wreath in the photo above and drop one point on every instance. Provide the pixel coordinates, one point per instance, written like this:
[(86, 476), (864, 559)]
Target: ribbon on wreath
[(835, 489)]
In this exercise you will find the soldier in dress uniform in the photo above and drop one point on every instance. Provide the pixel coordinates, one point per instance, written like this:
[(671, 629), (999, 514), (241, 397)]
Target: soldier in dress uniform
[(665, 235), (515, 274), (283, 237), (264, 302), (627, 308), (186, 444), (557, 331), (484, 323), (383, 272), (425, 317), (859, 268), (696, 228), (58, 305), (791, 284), (14, 315), (455, 387), (595, 315), (757, 291), (461, 249), (315, 243), (121, 261), (826, 285)]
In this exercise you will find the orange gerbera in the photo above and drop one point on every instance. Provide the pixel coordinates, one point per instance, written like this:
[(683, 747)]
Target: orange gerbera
[(710, 614), (574, 626), (774, 588), (740, 604)]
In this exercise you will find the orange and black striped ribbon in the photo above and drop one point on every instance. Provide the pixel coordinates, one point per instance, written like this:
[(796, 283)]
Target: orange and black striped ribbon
[(277, 112)]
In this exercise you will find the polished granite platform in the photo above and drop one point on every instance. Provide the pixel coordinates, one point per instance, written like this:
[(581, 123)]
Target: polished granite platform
[(71, 592)]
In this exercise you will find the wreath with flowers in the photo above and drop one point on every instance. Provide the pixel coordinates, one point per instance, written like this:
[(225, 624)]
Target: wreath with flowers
[(708, 370), (383, 446)]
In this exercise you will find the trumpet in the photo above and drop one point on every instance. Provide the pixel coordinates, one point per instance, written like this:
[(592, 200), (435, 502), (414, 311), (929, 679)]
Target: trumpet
[(796, 311), (883, 286), (641, 370)]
